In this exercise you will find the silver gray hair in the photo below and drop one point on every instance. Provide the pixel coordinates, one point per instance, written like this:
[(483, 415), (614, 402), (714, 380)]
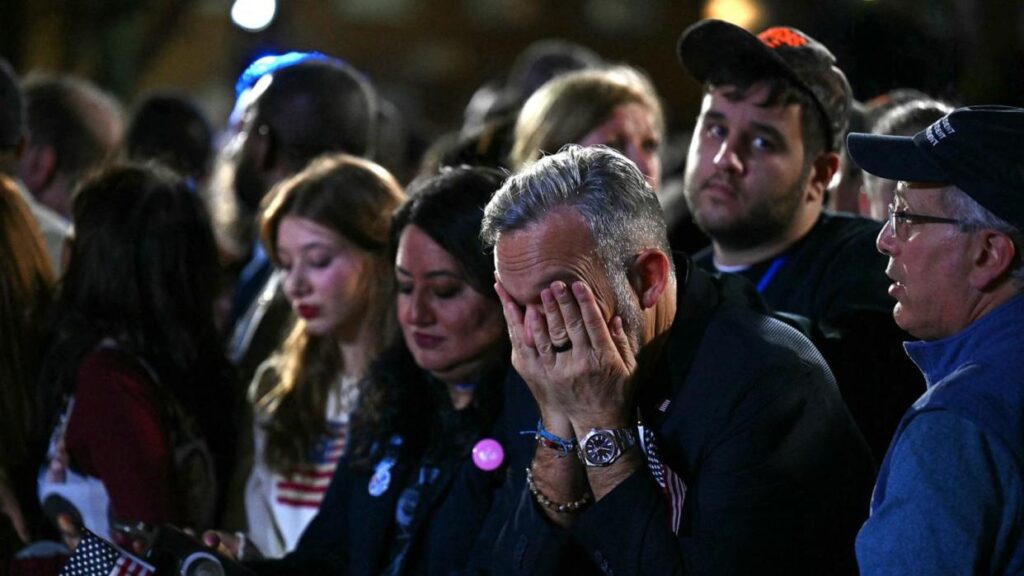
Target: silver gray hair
[(974, 216), (617, 204)]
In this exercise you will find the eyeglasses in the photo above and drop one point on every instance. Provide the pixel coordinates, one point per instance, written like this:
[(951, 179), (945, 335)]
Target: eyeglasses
[(899, 220)]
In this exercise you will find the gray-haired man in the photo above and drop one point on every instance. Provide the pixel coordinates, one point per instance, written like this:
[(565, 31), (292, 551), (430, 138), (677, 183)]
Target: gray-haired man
[(745, 459), (950, 493)]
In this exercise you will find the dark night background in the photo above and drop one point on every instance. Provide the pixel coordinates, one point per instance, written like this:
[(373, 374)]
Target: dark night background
[(428, 56)]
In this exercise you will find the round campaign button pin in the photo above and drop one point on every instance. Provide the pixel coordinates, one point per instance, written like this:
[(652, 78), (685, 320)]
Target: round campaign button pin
[(488, 454)]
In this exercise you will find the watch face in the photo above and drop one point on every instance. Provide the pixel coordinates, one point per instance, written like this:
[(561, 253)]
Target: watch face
[(601, 448)]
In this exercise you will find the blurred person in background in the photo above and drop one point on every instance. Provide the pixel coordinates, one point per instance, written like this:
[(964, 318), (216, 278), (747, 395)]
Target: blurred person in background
[(617, 107), (171, 128), (53, 227), (844, 189), (500, 100), (487, 132), (904, 119), (613, 106), (135, 387), (72, 127), (308, 106)]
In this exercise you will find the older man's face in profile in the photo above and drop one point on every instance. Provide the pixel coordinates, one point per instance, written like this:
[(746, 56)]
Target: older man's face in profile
[(929, 265)]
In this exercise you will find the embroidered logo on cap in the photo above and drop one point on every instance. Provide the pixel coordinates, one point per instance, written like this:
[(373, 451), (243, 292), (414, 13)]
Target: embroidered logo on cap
[(779, 36), (938, 131)]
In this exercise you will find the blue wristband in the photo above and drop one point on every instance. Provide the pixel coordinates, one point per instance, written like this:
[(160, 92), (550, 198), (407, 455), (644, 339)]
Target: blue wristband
[(549, 440)]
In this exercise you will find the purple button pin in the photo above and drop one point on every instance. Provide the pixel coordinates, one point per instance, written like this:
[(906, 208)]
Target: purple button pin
[(488, 454)]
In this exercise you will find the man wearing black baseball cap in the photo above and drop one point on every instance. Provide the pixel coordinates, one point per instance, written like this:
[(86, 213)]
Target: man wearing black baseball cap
[(764, 150), (950, 494)]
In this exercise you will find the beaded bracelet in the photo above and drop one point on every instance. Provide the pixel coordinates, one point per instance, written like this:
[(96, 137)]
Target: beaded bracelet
[(543, 500)]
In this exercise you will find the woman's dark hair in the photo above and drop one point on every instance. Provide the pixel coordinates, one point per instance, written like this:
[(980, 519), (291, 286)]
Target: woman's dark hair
[(143, 272), (449, 208), (399, 397)]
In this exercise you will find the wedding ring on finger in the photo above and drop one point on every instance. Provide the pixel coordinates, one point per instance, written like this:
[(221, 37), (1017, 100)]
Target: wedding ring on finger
[(558, 348)]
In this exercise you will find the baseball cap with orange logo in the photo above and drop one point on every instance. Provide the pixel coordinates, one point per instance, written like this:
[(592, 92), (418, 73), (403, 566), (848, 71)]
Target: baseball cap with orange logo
[(711, 46)]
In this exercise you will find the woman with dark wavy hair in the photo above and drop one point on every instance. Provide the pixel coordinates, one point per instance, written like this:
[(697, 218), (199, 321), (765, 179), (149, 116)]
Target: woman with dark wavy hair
[(407, 498), (135, 383)]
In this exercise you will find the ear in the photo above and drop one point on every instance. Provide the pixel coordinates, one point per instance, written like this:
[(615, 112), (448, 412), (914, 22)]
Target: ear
[(37, 167), (261, 143), (649, 276), (823, 168), (993, 254)]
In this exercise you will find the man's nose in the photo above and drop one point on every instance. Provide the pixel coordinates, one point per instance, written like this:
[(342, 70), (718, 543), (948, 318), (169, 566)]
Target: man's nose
[(728, 157), (886, 240)]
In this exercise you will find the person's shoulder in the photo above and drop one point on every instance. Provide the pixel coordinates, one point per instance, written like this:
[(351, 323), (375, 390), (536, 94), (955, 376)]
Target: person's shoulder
[(112, 364), (737, 319), (988, 394), (110, 376), (843, 228), (757, 330), (744, 348)]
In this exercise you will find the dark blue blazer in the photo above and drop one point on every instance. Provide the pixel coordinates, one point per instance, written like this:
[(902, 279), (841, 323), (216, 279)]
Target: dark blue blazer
[(352, 533)]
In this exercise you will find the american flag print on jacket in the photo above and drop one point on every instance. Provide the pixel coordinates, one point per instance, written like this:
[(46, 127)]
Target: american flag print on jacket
[(305, 487), (279, 504)]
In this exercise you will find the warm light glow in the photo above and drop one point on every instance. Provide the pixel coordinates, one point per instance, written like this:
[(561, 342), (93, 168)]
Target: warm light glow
[(743, 13), (253, 15)]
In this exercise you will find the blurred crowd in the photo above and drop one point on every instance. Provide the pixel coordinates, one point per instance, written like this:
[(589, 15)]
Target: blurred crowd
[(318, 343)]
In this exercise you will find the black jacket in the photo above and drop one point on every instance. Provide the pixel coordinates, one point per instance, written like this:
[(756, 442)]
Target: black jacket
[(835, 278), (354, 530), (778, 477)]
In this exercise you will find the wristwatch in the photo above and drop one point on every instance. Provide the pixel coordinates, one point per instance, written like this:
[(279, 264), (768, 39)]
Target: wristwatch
[(603, 446)]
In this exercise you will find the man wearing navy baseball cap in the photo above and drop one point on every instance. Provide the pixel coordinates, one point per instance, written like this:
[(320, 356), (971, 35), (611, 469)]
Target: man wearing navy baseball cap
[(950, 494)]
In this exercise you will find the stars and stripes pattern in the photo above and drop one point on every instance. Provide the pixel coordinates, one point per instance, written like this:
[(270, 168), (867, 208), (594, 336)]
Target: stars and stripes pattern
[(95, 556), (305, 487), (670, 482)]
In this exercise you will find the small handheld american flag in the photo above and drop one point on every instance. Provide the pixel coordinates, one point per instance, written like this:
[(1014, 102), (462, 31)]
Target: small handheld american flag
[(94, 556), (671, 484)]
